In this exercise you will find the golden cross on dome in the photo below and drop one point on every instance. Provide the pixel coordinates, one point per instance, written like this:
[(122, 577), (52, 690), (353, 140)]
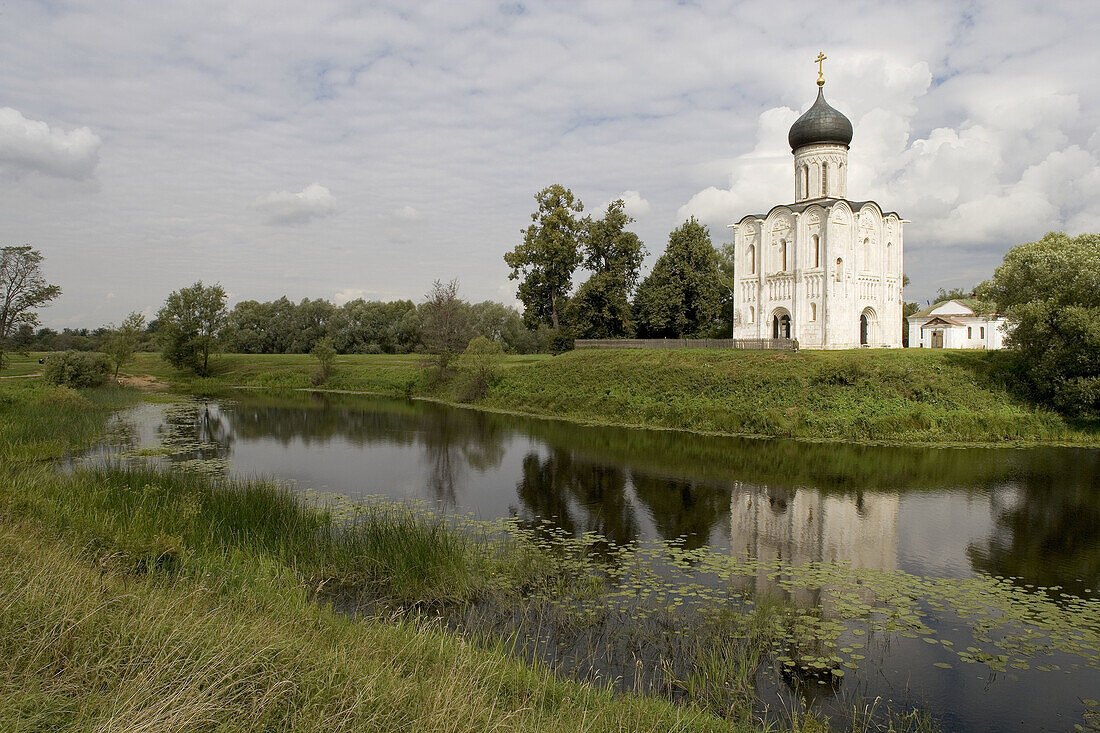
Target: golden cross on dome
[(820, 75)]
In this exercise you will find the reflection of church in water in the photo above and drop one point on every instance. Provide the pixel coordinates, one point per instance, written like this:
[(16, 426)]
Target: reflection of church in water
[(800, 526)]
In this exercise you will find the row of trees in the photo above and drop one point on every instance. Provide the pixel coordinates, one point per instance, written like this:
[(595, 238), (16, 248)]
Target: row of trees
[(364, 327), (195, 322), (684, 295), (1049, 290)]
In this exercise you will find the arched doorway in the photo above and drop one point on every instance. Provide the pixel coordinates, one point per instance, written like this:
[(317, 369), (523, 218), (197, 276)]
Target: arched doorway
[(781, 324), (868, 322)]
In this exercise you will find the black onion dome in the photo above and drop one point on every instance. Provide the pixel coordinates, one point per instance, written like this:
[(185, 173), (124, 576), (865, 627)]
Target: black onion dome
[(820, 124)]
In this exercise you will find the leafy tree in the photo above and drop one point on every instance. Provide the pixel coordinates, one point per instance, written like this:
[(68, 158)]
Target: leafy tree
[(682, 297), (952, 294), (481, 366), (601, 306), (311, 321), (191, 322), (22, 290), (1050, 293), (23, 338), (907, 309), (325, 354), (545, 261), (500, 323), (123, 341), (445, 329)]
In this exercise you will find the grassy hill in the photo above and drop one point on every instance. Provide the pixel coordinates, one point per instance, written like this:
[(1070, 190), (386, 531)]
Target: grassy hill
[(909, 396)]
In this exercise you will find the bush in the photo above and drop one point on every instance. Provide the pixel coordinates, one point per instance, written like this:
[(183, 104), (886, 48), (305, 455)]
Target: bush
[(325, 355), (479, 368), (561, 342), (840, 373), (77, 369)]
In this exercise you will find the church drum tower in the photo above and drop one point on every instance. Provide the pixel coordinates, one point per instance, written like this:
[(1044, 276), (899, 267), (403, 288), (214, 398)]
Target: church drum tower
[(824, 270)]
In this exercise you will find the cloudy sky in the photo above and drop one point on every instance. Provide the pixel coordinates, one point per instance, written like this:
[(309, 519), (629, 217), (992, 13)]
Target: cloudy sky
[(342, 150)]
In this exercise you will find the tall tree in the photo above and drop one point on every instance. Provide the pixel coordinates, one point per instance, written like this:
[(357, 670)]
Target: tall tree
[(123, 341), (545, 261), (1050, 293), (683, 296), (22, 290), (952, 294), (191, 323), (601, 306), (445, 328)]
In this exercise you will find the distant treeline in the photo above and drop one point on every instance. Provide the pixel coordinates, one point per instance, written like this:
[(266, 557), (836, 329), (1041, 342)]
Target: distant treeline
[(285, 327), (366, 327)]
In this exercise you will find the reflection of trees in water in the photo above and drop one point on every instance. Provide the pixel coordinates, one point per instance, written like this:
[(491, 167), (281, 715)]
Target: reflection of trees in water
[(827, 466), (453, 440), (682, 507), (196, 432), (1051, 534), (578, 496)]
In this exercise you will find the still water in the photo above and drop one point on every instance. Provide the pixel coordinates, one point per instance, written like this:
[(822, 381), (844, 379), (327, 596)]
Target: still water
[(1031, 515)]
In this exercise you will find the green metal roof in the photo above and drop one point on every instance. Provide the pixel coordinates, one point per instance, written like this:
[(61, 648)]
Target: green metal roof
[(980, 308)]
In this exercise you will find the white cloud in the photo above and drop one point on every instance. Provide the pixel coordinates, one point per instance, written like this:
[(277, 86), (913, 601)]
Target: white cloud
[(347, 295), (634, 205), (34, 145), (406, 212), (759, 179), (283, 207), (463, 112)]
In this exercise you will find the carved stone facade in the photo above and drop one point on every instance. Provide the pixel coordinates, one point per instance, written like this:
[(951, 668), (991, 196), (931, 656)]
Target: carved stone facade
[(824, 270)]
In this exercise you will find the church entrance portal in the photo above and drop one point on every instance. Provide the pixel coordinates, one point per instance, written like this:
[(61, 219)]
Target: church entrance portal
[(781, 326), (868, 327), (937, 339)]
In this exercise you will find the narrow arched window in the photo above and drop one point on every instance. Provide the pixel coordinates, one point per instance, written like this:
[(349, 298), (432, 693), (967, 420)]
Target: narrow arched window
[(813, 311), (752, 314), (806, 181), (752, 259), (824, 179), (783, 255), (839, 269), (815, 244)]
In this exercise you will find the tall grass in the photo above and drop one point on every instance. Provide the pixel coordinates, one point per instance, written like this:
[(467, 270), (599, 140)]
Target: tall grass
[(88, 650)]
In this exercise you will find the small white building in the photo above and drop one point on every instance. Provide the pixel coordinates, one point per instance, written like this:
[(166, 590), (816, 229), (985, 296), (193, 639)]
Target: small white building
[(824, 270), (957, 324)]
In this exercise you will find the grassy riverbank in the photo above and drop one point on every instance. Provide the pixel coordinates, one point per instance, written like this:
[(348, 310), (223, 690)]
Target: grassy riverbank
[(908, 396), (138, 600)]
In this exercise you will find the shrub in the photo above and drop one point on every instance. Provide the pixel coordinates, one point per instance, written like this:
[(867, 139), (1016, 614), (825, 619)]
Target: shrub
[(561, 342), (77, 369), (325, 355), (841, 373), (479, 368)]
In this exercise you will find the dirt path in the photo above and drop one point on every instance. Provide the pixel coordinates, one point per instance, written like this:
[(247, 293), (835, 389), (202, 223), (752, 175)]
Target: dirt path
[(143, 382), (22, 376)]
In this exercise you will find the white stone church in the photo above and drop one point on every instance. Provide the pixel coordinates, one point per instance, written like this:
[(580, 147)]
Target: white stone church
[(824, 270)]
